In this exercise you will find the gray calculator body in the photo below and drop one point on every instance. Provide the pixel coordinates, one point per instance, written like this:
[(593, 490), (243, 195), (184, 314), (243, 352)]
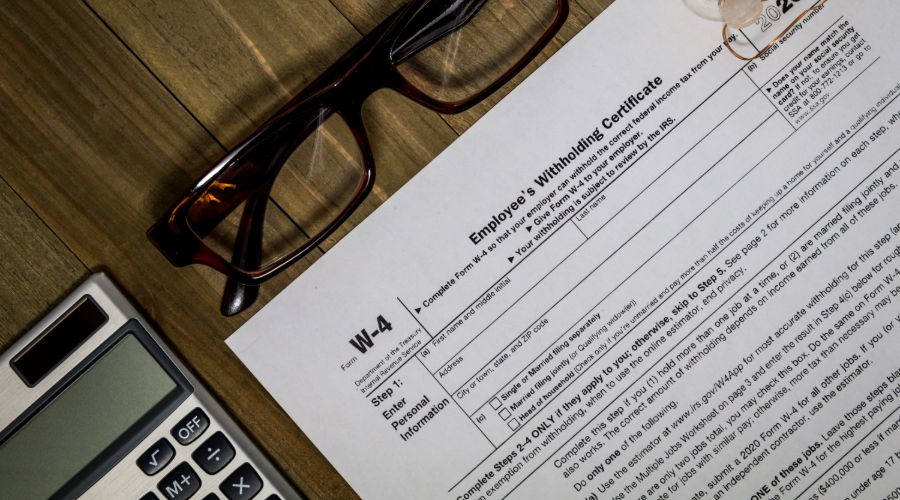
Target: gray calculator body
[(94, 405)]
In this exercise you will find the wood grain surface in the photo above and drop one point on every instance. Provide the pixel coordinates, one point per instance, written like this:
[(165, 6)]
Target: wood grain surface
[(112, 108)]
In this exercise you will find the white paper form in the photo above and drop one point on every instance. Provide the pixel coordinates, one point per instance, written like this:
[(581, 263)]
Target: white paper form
[(652, 271)]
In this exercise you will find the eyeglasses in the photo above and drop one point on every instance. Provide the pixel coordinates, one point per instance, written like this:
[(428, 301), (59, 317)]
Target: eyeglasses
[(288, 186), (737, 14)]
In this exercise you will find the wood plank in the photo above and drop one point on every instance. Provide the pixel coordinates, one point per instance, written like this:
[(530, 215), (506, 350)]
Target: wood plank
[(594, 7), (233, 68), (97, 147), (36, 268)]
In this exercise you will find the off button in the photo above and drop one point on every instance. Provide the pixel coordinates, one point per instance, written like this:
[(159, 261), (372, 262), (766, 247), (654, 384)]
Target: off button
[(191, 426)]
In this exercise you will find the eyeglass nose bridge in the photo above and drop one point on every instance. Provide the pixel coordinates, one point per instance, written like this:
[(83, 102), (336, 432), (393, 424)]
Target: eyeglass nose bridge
[(358, 83)]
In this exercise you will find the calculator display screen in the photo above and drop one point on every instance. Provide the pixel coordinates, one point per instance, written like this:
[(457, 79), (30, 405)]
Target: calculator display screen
[(84, 420)]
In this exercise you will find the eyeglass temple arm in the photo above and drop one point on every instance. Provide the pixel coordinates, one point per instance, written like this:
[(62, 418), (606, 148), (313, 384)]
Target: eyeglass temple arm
[(238, 296), (247, 251), (436, 20)]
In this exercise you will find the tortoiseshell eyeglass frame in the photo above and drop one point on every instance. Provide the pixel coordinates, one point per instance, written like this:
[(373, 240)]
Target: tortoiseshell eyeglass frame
[(246, 173)]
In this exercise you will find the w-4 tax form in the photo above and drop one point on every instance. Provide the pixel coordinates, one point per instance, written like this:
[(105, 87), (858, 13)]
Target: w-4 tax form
[(651, 271)]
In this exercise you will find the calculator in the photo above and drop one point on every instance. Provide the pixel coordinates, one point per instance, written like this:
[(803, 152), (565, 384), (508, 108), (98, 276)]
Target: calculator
[(95, 406)]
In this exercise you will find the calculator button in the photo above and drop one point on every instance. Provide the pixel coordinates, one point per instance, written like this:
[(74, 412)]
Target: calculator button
[(214, 454), (273, 497), (242, 484), (180, 483), (211, 496), (156, 457), (149, 496), (191, 426)]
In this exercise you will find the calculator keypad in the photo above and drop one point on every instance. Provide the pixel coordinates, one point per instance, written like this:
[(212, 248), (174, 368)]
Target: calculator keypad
[(212, 456)]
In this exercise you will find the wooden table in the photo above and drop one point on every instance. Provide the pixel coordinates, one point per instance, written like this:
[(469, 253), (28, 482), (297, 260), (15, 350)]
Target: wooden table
[(112, 108)]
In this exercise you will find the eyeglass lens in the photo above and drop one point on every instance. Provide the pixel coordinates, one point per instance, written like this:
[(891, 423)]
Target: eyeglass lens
[(315, 184), (466, 61)]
